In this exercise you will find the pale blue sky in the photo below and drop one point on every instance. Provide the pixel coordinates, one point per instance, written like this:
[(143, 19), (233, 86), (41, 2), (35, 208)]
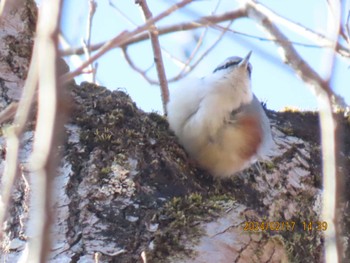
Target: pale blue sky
[(273, 82)]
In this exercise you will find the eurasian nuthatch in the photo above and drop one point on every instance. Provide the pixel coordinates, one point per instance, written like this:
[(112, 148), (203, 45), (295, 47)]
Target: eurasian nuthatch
[(219, 121)]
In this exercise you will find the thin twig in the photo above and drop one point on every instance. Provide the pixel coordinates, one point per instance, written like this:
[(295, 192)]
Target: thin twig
[(121, 13), (87, 41), (346, 31), (74, 59), (9, 112), (13, 135), (199, 43), (176, 60), (136, 68), (205, 53), (290, 55), (213, 20), (202, 22), (270, 39), (157, 53), (323, 91), (92, 11), (186, 69), (129, 60), (121, 39), (345, 35), (143, 73), (303, 31)]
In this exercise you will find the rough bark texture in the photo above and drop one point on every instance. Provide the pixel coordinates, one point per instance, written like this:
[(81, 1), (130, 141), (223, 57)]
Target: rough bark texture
[(17, 27), (125, 186)]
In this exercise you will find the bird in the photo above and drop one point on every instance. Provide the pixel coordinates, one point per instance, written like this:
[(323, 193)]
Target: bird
[(219, 121)]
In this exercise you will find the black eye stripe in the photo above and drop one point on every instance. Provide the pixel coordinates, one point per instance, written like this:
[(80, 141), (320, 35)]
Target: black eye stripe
[(227, 65), (232, 63)]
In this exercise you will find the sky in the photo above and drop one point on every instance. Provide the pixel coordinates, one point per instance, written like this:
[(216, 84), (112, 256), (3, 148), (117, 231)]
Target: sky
[(273, 82)]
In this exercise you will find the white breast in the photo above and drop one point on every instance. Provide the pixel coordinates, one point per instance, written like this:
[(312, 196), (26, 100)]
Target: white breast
[(198, 112)]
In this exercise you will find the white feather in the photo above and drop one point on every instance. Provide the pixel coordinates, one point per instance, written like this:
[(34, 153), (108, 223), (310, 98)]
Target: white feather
[(199, 110)]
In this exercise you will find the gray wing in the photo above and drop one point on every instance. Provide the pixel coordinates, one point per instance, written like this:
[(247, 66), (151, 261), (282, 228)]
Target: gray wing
[(255, 108)]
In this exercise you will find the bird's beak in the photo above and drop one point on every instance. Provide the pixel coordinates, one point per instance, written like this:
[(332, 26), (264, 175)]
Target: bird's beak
[(245, 61)]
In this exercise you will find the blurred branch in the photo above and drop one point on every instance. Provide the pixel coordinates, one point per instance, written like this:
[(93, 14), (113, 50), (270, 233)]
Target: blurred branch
[(74, 59), (186, 68), (142, 72), (270, 39), (9, 112), (184, 65), (321, 88), (48, 129), (291, 57), (87, 41), (183, 74), (14, 133), (92, 11), (318, 39), (121, 39), (8, 6), (333, 244), (303, 31), (158, 59), (345, 30), (121, 13), (202, 22)]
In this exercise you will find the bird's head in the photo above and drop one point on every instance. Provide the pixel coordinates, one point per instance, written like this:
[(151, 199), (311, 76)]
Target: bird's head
[(235, 65)]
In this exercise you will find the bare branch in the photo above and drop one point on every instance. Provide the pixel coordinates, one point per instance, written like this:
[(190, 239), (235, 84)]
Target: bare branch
[(128, 59), (74, 59), (186, 69), (121, 13), (205, 53), (121, 39), (202, 22), (291, 57), (345, 31), (305, 32), (92, 10), (13, 135), (137, 69), (333, 247), (317, 38), (48, 128), (87, 41), (9, 112), (321, 88), (158, 59), (266, 39)]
